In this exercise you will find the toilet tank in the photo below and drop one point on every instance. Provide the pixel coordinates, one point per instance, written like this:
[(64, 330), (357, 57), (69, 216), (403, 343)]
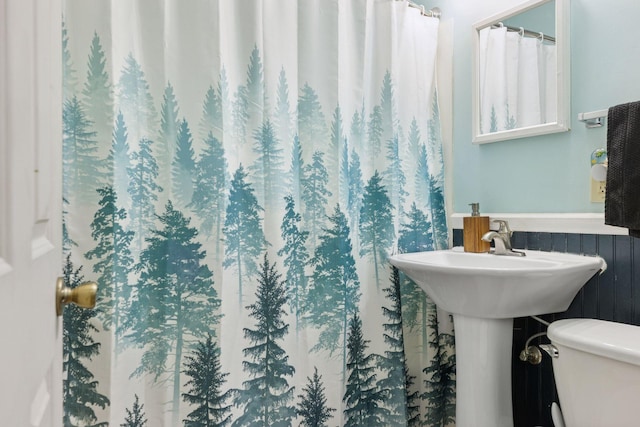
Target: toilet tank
[(597, 372)]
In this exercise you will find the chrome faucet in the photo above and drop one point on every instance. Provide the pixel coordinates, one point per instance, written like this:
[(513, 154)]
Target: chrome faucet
[(501, 239)]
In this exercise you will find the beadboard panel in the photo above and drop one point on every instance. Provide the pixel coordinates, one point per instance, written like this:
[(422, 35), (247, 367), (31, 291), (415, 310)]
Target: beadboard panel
[(613, 295)]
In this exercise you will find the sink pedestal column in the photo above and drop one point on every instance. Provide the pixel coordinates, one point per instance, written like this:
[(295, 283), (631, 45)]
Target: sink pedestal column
[(483, 371)]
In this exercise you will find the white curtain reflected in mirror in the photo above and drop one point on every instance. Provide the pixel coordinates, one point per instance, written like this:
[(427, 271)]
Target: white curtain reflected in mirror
[(521, 72), (517, 79)]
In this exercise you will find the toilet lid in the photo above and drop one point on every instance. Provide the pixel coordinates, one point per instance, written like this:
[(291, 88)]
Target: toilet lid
[(608, 339)]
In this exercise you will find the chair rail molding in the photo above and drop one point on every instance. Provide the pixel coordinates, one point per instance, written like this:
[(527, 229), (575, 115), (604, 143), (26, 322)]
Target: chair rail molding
[(581, 223)]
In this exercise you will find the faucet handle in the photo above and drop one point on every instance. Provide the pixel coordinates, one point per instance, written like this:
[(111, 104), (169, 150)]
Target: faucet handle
[(503, 226)]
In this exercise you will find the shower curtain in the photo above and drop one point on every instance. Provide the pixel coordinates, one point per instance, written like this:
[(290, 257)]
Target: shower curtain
[(236, 175), (517, 80)]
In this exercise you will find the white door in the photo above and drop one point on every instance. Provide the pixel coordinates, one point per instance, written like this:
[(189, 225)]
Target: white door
[(30, 212)]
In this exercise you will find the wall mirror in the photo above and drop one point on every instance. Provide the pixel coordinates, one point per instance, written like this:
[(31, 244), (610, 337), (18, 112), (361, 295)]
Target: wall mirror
[(521, 72)]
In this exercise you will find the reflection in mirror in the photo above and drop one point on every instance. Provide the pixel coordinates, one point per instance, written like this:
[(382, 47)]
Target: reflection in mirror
[(517, 88)]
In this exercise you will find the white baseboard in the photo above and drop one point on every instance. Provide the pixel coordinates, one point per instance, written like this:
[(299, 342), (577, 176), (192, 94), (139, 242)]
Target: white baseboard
[(581, 223)]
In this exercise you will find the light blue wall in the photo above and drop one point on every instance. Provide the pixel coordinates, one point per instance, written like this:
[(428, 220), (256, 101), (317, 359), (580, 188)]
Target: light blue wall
[(547, 173), (538, 19)]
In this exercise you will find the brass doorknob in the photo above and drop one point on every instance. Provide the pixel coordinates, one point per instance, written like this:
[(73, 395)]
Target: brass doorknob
[(84, 295)]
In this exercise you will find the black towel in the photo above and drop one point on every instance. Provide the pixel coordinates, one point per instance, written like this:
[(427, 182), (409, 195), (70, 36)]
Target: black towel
[(622, 199)]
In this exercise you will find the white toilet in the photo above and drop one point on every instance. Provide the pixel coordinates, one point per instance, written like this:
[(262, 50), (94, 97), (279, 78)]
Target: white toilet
[(596, 365)]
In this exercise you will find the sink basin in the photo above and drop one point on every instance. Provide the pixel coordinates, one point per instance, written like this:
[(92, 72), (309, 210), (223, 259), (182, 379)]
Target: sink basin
[(484, 292), (499, 287)]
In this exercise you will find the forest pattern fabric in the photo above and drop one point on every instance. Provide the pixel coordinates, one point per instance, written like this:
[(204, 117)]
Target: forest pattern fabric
[(236, 175)]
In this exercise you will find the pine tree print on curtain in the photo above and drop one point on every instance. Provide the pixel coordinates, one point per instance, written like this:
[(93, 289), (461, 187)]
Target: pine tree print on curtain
[(220, 164), (403, 401), (243, 233), (175, 300), (364, 399), (143, 190), (313, 409), (205, 390), (266, 397), (114, 263), (98, 92), (81, 165), (335, 292), (80, 394), (135, 416), (376, 224), (296, 259)]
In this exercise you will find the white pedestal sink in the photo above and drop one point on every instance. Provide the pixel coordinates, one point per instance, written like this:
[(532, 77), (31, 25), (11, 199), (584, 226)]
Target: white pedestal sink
[(484, 292)]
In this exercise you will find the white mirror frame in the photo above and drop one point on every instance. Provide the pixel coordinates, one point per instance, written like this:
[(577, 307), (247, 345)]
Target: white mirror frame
[(563, 99)]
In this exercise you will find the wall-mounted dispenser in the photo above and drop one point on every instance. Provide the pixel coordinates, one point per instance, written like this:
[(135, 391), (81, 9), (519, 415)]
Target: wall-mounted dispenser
[(598, 174)]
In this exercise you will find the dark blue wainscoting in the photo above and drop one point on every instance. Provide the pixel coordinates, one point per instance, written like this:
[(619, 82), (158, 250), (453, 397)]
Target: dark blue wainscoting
[(614, 295)]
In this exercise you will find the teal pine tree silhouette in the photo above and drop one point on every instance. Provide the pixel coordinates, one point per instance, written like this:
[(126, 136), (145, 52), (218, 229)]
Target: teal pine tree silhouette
[(334, 150), (414, 145), (344, 177), (282, 116), (315, 193), (69, 78), (440, 385), (296, 172), (422, 179), (376, 224), (268, 169), (358, 130), (135, 416), (335, 291), (135, 100), (436, 180), (363, 400), (212, 117), (82, 169), (401, 401), (79, 388), (434, 135), (143, 190), (394, 177), (511, 121), (204, 389), (240, 112), (175, 300), (226, 105), (374, 132), (244, 237), (415, 236), (168, 137), (388, 112), (493, 124), (183, 167), (296, 258), (119, 161), (216, 110), (414, 140), (313, 407), (67, 241), (209, 194), (438, 214), (256, 96), (169, 121), (356, 190), (266, 395), (98, 92), (113, 263), (312, 127)]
